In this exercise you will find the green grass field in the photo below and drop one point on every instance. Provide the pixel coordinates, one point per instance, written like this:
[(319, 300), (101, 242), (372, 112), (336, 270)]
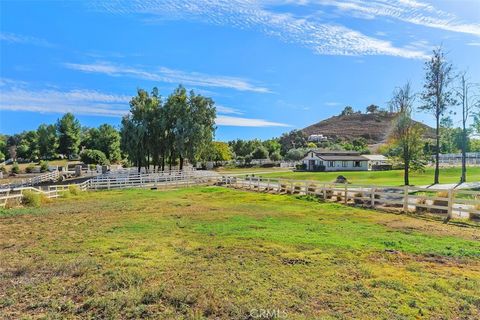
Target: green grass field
[(213, 252), (387, 178)]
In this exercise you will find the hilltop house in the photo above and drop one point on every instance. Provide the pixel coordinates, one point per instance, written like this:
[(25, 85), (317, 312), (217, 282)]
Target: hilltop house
[(321, 160)]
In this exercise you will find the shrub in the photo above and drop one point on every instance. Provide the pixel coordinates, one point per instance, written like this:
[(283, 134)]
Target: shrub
[(29, 168), (90, 156), (74, 189), (15, 168), (31, 199), (302, 166), (2, 169), (43, 166)]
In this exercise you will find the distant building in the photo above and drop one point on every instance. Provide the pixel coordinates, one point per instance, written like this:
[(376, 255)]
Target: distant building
[(319, 160), (378, 162), (317, 138)]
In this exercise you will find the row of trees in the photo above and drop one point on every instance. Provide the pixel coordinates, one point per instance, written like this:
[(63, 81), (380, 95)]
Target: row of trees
[(158, 132), (442, 92), (66, 138)]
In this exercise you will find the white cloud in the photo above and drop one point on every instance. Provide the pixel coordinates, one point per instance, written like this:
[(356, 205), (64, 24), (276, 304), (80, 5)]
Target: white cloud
[(474, 44), (332, 103), (16, 96), (227, 110), (322, 38), (22, 39), (246, 122), (410, 11), (163, 74)]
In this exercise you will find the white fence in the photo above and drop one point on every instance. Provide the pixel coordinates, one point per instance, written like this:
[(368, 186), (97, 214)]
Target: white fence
[(455, 159), (46, 177), (115, 180), (454, 203)]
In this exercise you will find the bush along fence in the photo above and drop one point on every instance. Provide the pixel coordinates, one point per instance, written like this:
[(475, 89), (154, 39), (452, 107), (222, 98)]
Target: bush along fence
[(115, 180), (451, 203)]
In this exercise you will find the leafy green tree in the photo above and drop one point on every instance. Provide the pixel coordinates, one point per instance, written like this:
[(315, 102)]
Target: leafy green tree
[(276, 156), (28, 146), (292, 140), (69, 130), (373, 109), (295, 154), (272, 146), (90, 156), (104, 138), (348, 110), (47, 141), (3, 147), (260, 153), (437, 95)]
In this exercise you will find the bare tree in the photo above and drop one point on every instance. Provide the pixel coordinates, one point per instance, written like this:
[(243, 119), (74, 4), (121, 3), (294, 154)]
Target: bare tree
[(437, 96), (469, 101)]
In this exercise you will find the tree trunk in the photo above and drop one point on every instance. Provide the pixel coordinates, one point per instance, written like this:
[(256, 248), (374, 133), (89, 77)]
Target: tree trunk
[(463, 178), (437, 151), (406, 180), (181, 163)]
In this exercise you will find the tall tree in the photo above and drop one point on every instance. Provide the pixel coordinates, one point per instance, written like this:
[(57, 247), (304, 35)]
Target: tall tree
[(469, 101), (105, 138), (406, 134), (437, 95), (292, 140), (47, 141), (69, 130)]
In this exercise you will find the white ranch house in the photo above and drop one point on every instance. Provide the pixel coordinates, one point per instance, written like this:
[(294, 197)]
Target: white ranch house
[(377, 160), (335, 161)]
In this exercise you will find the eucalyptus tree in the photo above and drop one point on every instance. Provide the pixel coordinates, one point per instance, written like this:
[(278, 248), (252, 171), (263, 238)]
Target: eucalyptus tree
[(437, 95)]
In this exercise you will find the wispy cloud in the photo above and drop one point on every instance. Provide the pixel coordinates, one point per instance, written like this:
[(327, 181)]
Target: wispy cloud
[(23, 39), (17, 96), (87, 102), (163, 74), (246, 122), (410, 11), (332, 103), (322, 38), (227, 110)]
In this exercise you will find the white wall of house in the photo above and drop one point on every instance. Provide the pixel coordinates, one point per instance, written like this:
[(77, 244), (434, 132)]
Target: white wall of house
[(338, 165)]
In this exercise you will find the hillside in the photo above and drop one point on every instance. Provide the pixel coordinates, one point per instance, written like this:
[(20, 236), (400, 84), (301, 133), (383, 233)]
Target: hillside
[(375, 128)]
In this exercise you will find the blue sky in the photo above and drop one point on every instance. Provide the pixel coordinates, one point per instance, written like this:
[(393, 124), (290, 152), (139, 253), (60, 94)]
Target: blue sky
[(270, 66)]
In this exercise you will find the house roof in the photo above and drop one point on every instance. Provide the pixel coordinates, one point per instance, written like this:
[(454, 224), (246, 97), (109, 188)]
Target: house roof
[(342, 158), (375, 157)]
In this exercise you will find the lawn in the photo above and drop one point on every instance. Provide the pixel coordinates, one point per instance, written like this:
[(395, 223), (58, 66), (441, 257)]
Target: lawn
[(387, 178), (213, 252)]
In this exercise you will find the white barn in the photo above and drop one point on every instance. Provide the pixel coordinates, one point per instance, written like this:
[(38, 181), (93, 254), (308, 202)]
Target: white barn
[(317, 160)]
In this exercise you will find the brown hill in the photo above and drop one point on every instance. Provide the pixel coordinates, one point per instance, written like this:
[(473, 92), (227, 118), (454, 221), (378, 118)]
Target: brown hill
[(375, 128)]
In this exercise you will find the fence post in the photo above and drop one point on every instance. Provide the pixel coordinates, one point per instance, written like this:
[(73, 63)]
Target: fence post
[(372, 195), (405, 199), (450, 203), (324, 191), (346, 193), (306, 188), (268, 184)]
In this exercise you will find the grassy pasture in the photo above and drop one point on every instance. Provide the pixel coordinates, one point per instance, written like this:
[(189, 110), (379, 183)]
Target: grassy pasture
[(213, 252), (386, 178)]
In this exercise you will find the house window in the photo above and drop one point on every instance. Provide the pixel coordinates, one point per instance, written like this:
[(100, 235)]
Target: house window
[(320, 163), (331, 163), (344, 164), (357, 164)]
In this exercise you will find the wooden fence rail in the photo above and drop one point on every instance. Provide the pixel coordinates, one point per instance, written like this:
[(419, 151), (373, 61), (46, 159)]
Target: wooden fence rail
[(452, 202)]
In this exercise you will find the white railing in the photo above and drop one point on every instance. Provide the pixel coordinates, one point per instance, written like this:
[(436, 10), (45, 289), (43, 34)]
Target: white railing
[(452, 202), (49, 176), (164, 179)]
